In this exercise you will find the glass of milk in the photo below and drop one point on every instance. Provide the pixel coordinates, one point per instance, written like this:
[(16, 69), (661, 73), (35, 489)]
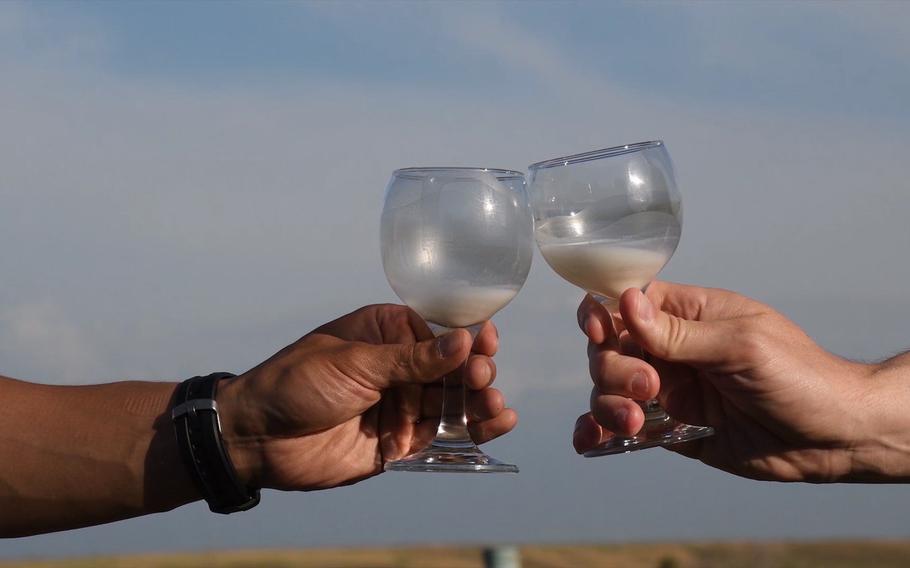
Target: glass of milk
[(606, 221), (457, 245)]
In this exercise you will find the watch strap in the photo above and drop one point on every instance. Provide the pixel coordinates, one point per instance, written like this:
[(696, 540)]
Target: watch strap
[(198, 430)]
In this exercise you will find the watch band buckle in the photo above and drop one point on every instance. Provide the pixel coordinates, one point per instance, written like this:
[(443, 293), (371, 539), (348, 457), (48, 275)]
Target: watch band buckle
[(193, 406)]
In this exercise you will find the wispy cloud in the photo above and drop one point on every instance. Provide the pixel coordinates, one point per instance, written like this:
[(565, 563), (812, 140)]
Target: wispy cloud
[(504, 41), (815, 56), (47, 345)]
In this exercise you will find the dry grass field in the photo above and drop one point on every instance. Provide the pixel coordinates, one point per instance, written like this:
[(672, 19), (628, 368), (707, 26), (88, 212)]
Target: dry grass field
[(832, 554)]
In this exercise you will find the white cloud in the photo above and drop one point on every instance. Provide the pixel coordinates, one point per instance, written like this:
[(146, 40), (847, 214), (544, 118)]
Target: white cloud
[(523, 51), (46, 345)]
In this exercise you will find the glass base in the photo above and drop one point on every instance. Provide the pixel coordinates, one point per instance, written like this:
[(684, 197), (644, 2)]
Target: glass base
[(437, 458), (663, 432)]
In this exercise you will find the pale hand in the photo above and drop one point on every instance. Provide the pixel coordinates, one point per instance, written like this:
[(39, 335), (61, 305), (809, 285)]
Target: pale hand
[(782, 407)]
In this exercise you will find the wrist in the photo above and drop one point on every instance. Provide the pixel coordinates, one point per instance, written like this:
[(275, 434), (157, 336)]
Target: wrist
[(240, 430), (881, 452)]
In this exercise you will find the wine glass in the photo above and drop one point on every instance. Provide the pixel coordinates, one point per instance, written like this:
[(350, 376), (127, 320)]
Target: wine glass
[(457, 245), (609, 220)]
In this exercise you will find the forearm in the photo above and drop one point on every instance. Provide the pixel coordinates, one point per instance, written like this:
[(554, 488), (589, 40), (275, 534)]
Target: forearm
[(884, 453), (83, 455)]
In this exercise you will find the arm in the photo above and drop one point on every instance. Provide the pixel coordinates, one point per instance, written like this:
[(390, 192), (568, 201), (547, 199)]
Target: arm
[(782, 407), (328, 410), (74, 456)]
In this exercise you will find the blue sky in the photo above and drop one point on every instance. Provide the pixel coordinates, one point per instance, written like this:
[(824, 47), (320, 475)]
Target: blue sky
[(149, 149), (772, 54)]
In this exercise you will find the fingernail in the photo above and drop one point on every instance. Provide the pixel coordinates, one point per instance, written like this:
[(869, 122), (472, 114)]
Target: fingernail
[(621, 417), (448, 345), (645, 309), (639, 385)]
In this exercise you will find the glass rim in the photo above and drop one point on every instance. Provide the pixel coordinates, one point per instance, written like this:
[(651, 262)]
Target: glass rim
[(499, 173), (596, 154)]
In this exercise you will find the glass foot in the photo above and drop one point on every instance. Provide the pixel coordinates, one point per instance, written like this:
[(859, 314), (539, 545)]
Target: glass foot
[(442, 459), (664, 432)]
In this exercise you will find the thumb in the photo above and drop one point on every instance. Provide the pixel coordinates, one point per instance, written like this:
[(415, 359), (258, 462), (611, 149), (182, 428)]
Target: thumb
[(673, 338), (422, 362)]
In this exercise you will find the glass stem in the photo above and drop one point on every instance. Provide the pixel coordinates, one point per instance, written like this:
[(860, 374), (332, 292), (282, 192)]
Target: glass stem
[(453, 422)]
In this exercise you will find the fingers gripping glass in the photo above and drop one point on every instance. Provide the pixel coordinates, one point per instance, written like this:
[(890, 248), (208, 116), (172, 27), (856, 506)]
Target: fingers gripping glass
[(606, 221), (456, 246)]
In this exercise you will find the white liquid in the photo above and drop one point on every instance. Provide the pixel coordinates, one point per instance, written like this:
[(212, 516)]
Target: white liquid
[(606, 268), (456, 305)]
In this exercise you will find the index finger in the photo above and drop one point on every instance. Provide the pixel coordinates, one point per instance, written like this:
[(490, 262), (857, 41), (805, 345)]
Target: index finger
[(701, 304)]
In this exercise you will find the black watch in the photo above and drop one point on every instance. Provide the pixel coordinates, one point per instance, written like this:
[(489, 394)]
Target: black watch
[(198, 429)]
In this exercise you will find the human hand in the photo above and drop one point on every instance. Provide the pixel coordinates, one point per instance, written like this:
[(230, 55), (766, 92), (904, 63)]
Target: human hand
[(781, 406), (331, 408)]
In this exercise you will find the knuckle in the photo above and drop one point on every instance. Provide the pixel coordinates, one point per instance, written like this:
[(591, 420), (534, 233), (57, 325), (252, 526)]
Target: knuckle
[(407, 358), (497, 402), (370, 308), (751, 342), (399, 318), (488, 367), (374, 312), (675, 338), (389, 313)]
